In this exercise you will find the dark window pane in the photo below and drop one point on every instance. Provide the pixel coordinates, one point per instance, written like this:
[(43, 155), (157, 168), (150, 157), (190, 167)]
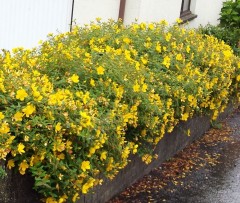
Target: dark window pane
[(185, 5)]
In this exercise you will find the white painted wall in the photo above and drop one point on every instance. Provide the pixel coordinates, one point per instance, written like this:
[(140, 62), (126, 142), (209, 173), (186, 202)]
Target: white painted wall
[(86, 11), (207, 12), (25, 22), (152, 10), (155, 10)]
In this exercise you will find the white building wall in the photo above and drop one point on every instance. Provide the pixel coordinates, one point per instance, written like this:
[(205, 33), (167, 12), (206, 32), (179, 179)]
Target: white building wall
[(86, 11), (207, 12), (132, 11), (152, 10), (155, 10), (25, 22)]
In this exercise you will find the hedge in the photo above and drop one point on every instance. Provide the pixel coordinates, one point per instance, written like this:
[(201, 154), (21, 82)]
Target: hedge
[(81, 102)]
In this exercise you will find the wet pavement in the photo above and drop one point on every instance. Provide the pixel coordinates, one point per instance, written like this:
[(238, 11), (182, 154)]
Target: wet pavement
[(208, 171)]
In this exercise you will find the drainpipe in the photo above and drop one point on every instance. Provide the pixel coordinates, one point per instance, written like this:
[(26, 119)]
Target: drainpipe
[(71, 23), (122, 10)]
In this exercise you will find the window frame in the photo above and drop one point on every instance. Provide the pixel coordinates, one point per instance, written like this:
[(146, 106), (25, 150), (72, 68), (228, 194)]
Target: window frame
[(187, 15)]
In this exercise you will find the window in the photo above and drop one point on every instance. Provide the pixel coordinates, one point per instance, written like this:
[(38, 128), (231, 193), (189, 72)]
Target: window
[(186, 13)]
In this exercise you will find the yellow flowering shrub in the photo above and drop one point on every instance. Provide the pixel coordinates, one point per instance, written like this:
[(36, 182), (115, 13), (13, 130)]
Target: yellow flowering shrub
[(83, 101)]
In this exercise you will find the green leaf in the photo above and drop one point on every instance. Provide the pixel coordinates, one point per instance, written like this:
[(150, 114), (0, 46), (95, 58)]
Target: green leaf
[(3, 173)]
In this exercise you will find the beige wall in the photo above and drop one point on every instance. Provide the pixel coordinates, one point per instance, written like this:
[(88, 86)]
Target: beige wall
[(207, 11), (155, 10), (86, 11), (25, 22), (152, 10), (146, 11)]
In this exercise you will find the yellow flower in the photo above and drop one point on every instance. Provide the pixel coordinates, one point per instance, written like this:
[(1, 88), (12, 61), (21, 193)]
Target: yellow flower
[(126, 40), (21, 94), (137, 66), (10, 163), (227, 54), (21, 148), (23, 166), (87, 185), (85, 165), (4, 129), (58, 127), (51, 200), (125, 153), (184, 116), (158, 48), (18, 116), (61, 156), (62, 199), (135, 149), (179, 57), (1, 116), (168, 37), (92, 150), (147, 158), (75, 78), (166, 61), (98, 19), (192, 100), (85, 120), (144, 87), (75, 197), (37, 96), (100, 70), (143, 133), (179, 20), (147, 45), (163, 22), (28, 110), (144, 60), (212, 106), (85, 188), (151, 26), (136, 87), (103, 156), (143, 26), (128, 55), (58, 145), (36, 73), (92, 82), (238, 78), (215, 115)]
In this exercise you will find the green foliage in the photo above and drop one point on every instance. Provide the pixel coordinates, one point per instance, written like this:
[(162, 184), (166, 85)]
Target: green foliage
[(83, 101), (2, 173), (229, 29), (216, 124), (230, 14), (230, 36)]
